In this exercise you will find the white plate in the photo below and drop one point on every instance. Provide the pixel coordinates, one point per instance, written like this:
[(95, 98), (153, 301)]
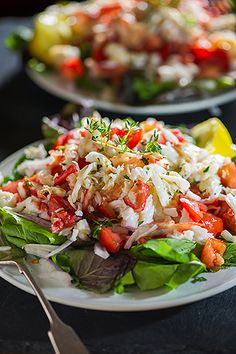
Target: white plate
[(133, 301), (66, 90)]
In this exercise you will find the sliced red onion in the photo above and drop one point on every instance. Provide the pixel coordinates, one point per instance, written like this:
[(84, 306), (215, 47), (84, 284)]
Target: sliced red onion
[(37, 220)]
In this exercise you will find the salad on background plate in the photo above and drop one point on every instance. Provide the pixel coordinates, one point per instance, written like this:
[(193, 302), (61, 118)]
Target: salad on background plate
[(134, 52), (125, 206)]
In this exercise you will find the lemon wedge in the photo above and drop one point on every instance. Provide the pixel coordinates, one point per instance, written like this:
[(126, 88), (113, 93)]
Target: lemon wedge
[(214, 137), (50, 29)]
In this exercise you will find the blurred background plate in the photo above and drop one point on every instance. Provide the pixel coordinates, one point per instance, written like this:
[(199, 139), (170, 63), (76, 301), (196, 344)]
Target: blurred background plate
[(59, 87)]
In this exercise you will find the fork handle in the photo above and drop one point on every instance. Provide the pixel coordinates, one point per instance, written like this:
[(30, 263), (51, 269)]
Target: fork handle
[(63, 338)]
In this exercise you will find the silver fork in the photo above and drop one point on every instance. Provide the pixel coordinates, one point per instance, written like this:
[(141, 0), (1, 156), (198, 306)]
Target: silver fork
[(63, 338)]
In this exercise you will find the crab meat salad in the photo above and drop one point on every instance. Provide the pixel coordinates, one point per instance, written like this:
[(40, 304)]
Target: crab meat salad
[(136, 51), (121, 205)]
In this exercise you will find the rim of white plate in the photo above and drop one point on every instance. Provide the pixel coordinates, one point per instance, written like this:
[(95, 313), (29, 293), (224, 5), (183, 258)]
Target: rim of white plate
[(66, 90)]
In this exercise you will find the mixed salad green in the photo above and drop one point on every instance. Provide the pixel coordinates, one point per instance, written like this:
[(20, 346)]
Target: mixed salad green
[(157, 263)]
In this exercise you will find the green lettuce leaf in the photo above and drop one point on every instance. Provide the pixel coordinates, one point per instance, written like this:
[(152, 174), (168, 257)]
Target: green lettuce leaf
[(185, 272), (146, 89), (12, 253), (19, 39), (150, 276), (213, 85), (230, 254), (172, 250), (121, 285), (165, 262), (92, 272), (21, 231)]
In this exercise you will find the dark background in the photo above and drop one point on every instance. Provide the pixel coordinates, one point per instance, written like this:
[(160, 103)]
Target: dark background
[(208, 326), (22, 7)]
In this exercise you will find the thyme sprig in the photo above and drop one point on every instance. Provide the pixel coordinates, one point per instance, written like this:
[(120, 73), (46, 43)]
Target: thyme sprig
[(101, 134), (152, 145), (99, 225), (100, 127)]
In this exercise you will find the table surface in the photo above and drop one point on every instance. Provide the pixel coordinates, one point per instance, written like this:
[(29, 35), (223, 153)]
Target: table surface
[(207, 326)]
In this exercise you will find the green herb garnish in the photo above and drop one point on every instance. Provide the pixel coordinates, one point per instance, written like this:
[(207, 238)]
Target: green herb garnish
[(198, 279), (99, 225), (206, 169), (152, 145)]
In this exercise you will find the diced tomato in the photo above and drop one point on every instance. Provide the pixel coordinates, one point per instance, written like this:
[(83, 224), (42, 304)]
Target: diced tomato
[(192, 208), (55, 203), (212, 223), (161, 138), (228, 217), (140, 190), (64, 138), (112, 241), (57, 169), (72, 68), (204, 52), (133, 137), (11, 186), (117, 131), (109, 12), (62, 220), (98, 54), (166, 50), (227, 174), (212, 253), (59, 180), (107, 211), (110, 9), (179, 135), (82, 162), (83, 133)]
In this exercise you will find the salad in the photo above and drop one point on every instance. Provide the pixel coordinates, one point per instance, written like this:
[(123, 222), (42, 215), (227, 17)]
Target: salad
[(136, 51), (120, 204)]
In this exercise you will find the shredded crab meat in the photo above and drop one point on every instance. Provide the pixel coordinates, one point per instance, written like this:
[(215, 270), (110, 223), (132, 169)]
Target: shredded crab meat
[(118, 176)]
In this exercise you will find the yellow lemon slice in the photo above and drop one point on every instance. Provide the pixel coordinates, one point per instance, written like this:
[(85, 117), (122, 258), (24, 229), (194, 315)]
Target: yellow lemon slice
[(213, 136), (50, 29)]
